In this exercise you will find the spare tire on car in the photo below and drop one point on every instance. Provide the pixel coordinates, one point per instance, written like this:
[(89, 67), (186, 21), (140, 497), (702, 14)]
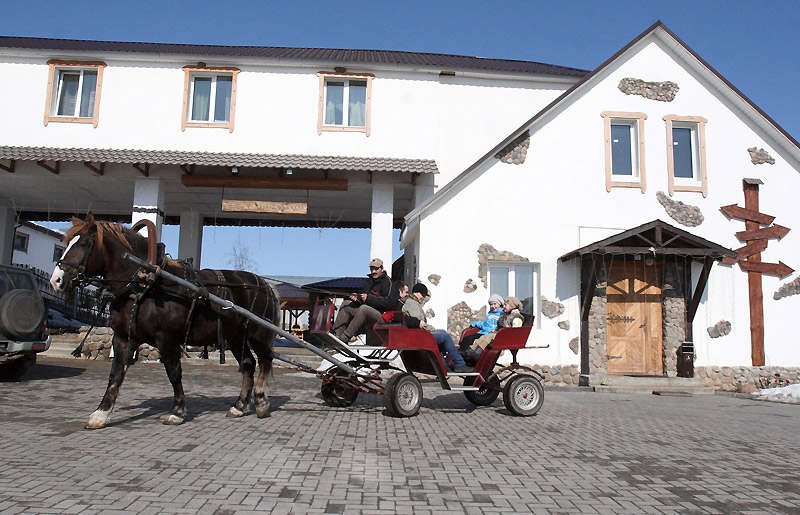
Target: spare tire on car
[(21, 313)]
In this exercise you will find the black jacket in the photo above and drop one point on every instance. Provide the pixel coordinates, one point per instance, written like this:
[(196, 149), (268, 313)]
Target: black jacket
[(380, 293)]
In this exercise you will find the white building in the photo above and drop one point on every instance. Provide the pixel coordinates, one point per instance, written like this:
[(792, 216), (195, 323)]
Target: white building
[(36, 246), (603, 210)]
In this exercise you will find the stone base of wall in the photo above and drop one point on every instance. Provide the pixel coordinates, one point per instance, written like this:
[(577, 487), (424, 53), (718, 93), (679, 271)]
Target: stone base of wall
[(559, 375), (98, 345), (728, 379)]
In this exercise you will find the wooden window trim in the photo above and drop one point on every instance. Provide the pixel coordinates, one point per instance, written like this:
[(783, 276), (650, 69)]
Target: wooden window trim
[(57, 63), (640, 118), (701, 137), (188, 71), (367, 129)]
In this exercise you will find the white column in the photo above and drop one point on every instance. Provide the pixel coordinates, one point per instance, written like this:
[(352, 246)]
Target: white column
[(423, 190), (382, 223), (148, 203), (8, 220), (190, 238)]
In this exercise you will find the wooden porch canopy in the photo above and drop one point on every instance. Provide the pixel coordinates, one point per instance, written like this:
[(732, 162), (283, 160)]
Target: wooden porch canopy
[(655, 239)]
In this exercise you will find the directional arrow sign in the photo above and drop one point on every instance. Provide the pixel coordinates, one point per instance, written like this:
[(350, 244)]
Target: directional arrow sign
[(775, 231), (754, 247), (734, 211), (781, 270)]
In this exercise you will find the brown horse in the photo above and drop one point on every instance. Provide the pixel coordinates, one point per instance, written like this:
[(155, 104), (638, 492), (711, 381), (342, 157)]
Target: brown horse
[(165, 315)]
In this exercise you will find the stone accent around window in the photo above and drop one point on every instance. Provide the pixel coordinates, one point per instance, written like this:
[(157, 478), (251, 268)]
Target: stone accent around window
[(574, 345), (514, 153), (551, 309), (470, 286), (460, 316), (564, 324), (787, 290), (660, 91), (488, 253), (684, 214), (721, 328), (434, 279), (759, 156)]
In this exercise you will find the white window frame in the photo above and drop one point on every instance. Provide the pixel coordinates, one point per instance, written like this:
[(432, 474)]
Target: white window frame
[(324, 79), (511, 266), (699, 182), (638, 178), (25, 239), (193, 72), (54, 84)]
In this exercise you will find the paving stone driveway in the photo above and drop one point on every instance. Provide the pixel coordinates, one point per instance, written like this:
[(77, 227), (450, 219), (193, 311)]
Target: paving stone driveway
[(583, 453)]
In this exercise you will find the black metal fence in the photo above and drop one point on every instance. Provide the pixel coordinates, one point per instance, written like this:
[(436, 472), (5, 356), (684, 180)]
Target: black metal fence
[(81, 304)]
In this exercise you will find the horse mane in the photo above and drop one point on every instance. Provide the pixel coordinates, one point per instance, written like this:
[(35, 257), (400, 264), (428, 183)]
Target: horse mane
[(112, 230)]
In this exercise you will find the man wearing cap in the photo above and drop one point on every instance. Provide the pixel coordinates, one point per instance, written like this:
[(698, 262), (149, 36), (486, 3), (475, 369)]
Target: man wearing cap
[(416, 318), (362, 310)]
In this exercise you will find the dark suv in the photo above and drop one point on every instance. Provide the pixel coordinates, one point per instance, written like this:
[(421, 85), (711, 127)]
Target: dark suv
[(22, 322)]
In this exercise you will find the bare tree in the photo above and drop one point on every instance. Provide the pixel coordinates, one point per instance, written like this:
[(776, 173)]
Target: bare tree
[(239, 257)]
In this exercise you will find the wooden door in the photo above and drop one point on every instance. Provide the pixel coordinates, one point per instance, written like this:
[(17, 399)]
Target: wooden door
[(633, 319)]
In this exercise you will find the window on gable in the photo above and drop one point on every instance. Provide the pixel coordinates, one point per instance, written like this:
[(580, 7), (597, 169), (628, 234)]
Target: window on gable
[(624, 148), (686, 154), (73, 92), (519, 280), (344, 102), (209, 98), (21, 242), (58, 251)]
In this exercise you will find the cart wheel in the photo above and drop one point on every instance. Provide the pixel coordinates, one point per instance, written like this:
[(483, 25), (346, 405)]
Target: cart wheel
[(403, 395), (486, 395), (523, 395), (336, 395)]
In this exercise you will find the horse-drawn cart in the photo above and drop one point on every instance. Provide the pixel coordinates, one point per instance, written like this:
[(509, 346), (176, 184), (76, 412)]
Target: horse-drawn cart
[(357, 368)]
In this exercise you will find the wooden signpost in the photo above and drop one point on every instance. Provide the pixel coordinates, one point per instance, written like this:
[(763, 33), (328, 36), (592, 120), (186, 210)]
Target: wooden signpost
[(749, 259)]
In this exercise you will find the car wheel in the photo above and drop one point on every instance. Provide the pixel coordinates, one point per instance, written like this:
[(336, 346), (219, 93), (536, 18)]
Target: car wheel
[(14, 370), (523, 395), (403, 395), (21, 313), (336, 395), (486, 395)]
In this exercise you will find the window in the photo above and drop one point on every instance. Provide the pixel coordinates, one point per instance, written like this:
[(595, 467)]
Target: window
[(344, 102), (686, 153), (519, 280), (21, 242), (624, 143), (209, 97), (58, 251), (73, 92)]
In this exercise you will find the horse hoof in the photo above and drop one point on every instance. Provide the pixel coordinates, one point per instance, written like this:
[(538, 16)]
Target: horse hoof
[(233, 412), (173, 420), (261, 409), (97, 420)]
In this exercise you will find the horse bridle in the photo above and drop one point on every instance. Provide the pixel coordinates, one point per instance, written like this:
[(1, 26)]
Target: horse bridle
[(80, 268)]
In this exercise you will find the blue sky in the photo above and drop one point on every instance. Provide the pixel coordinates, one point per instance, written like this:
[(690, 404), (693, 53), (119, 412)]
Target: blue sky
[(755, 45)]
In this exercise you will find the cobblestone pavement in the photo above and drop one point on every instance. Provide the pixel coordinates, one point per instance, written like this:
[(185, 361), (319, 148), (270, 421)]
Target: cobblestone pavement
[(583, 453)]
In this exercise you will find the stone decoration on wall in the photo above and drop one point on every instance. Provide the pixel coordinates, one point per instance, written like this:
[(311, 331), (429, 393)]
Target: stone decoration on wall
[(788, 289), (598, 355), (486, 252), (759, 156), (673, 313), (721, 328), (564, 324), (661, 91), (684, 214), (99, 344), (559, 375), (551, 309), (470, 286), (434, 279), (515, 152), (574, 345), (729, 379), (460, 316), (429, 313)]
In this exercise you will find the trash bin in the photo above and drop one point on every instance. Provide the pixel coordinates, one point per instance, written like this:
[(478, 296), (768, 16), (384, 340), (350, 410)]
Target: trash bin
[(686, 360)]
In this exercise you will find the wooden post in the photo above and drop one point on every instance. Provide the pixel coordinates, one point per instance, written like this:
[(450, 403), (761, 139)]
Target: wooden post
[(754, 284)]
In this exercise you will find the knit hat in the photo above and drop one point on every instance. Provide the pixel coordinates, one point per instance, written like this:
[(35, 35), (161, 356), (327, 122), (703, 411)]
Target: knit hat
[(496, 298), (420, 288), (514, 303)]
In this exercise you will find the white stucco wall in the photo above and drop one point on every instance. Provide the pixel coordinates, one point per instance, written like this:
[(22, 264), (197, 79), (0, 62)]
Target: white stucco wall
[(40, 250), (542, 209)]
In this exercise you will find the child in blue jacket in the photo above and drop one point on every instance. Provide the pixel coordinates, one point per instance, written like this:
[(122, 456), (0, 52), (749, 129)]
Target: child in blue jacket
[(485, 326)]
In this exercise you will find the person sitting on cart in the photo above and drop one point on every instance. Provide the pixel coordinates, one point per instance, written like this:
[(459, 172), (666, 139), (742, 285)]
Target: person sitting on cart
[(362, 310), (511, 317), (415, 317), (484, 326)]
